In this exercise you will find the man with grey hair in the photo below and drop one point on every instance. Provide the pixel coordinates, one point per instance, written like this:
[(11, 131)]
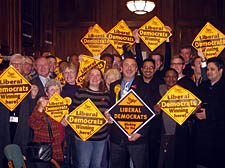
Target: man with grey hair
[(17, 60), (28, 67), (9, 120), (24, 132)]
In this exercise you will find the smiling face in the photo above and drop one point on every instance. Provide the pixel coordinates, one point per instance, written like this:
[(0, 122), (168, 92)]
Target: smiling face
[(129, 68), (95, 79), (42, 66), (148, 70), (213, 73), (52, 90), (69, 76), (178, 65), (18, 64), (170, 78)]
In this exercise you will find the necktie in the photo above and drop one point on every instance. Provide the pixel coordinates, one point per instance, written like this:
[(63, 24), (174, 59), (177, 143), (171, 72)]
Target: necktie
[(126, 89), (46, 80)]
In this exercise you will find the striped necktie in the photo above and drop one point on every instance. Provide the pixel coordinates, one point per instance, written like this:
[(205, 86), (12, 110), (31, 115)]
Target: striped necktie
[(126, 89)]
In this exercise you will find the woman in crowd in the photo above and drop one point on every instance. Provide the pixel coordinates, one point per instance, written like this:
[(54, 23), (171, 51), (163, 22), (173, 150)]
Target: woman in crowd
[(169, 141), (90, 152), (69, 72), (111, 76), (38, 122)]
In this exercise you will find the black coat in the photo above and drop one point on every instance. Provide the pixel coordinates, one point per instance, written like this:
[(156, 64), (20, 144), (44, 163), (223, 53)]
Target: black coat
[(24, 133), (4, 130), (143, 91), (210, 133)]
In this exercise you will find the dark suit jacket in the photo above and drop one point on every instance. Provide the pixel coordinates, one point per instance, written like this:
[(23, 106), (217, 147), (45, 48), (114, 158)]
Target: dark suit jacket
[(116, 135), (24, 133), (37, 81)]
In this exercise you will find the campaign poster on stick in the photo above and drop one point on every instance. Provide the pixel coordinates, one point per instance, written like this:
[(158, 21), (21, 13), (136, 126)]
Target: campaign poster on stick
[(179, 103), (95, 40), (210, 40), (154, 33), (86, 64), (120, 35), (86, 120), (58, 107), (131, 113), (13, 88)]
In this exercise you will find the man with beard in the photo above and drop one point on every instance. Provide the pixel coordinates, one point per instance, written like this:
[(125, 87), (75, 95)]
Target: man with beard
[(147, 70), (209, 127)]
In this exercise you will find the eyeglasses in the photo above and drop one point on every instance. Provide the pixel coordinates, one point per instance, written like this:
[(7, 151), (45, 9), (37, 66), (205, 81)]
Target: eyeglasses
[(16, 64), (147, 67), (26, 63), (69, 73)]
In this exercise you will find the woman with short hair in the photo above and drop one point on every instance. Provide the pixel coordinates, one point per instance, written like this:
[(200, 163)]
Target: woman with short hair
[(38, 122)]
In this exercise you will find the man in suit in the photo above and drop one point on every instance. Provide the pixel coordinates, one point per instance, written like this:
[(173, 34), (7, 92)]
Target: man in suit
[(24, 133), (122, 147), (9, 119)]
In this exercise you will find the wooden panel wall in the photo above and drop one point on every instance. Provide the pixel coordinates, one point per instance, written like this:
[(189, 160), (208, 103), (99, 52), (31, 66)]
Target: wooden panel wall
[(58, 25), (10, 29), (192, 15)]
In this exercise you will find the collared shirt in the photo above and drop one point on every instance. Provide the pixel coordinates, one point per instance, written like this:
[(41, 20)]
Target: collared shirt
[(43, 80), (123, 84)]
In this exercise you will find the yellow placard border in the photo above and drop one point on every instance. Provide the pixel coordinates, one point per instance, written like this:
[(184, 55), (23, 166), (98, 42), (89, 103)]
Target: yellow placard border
[(155, 17), (144, 104), (96, 25), (93, 105), (122, 21), (20, 100), (168, 92), (207, 24), (50, 106)]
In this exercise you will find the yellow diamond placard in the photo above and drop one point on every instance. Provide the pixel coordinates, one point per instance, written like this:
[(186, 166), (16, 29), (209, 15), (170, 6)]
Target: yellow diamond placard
[(86, 64), (57, 107), (61, 79), (179, 103), (131, 113), (13, 88), (120, 35), (154, 33), (95, 40), (210, 40), (86, 120)]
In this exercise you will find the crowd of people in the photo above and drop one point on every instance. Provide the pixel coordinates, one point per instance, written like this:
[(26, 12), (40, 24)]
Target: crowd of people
[(162, 143)]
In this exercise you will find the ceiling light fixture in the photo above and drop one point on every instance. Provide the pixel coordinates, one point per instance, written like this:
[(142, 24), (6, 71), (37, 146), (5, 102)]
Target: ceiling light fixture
[(140, 7)]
